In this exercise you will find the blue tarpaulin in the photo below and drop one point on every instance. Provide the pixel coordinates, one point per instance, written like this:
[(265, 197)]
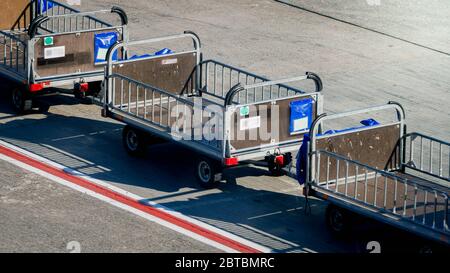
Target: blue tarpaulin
[(103, 41), (163, 51), (45, 5)]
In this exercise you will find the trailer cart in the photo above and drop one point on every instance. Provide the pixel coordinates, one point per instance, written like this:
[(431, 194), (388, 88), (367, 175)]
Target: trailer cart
[(145, 92), (46, 44), (381, 172)]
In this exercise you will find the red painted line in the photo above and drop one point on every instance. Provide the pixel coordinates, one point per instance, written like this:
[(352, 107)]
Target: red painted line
[(129, 201)]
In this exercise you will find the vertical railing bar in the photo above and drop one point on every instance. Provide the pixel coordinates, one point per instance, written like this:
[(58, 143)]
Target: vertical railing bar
[(328, 171), (137, 100), (375, 190), (446, 213), (129, 97), (435, 209), (160, 109), (356, 181), (337, 175), (425, 204), (405, 197), (415, 203), (394, 209), (440, 159), (215, 80), (153, 105), (365, 185), (431, 156), (421, 153), (385, 192), (346, 179), (318, 168), (145, 103)]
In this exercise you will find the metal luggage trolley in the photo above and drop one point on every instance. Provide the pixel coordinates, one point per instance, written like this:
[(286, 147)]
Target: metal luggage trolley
[(46, 44), (145, 92), (381, 172)]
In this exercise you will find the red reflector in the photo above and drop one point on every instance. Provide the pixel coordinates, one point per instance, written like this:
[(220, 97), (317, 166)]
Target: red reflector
[(279, 159), (232, 161), (35, 87), (84, 87)]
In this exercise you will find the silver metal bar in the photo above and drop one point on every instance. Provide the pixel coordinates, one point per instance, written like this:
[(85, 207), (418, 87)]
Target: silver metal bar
[(328, 171), (337, 175), (431, 156), (415, 203), (435, 209), (356, 181), (405, 197), (425, 204), (346, 177), (394, 209), (365, 186), (385, 192), (268, 83), (375, 190)]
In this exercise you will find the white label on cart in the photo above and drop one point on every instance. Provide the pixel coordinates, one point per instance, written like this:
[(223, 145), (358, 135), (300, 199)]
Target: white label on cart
[(54, 52), (301, 124), (101, 54), (250, 123), (169, 61)]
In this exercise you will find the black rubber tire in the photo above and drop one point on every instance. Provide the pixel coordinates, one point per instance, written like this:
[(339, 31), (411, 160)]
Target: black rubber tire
[(21, 100), (208, 172), (338, 220), (134, 141)]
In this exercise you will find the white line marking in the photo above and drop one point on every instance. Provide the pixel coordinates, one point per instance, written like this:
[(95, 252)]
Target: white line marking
[(131, 195)]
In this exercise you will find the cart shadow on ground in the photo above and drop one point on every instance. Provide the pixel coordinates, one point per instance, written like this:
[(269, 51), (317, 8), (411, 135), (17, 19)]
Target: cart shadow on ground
[(275, 219)]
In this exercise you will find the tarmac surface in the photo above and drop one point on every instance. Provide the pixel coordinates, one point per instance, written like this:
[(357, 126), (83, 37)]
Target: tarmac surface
[(359, 68)]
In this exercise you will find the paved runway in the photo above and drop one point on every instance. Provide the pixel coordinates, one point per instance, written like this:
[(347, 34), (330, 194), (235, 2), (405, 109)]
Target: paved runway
[(359, 68)]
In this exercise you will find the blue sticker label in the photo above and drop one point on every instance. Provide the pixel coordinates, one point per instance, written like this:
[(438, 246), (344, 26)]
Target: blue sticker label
[(103, 41), (301, 115)]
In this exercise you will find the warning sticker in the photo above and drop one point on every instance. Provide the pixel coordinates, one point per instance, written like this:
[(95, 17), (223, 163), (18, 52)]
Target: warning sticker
[(54, 52), (250, 123)]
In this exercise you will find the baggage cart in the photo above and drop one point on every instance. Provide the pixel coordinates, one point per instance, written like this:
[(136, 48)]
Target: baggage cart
[(379, 171), (46, 45), (145, 92)]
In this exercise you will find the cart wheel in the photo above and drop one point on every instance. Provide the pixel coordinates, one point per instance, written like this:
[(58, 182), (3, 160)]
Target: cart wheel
[(207, 172), (20, 100), (133, 141), (338, 220)]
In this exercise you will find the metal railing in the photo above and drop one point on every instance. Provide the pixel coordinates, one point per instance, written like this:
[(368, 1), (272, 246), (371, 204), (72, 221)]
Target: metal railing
[(157, 107), (427, 155), (218, 79), (14, 53), (73, 22), (268, 90), (381, 190)]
